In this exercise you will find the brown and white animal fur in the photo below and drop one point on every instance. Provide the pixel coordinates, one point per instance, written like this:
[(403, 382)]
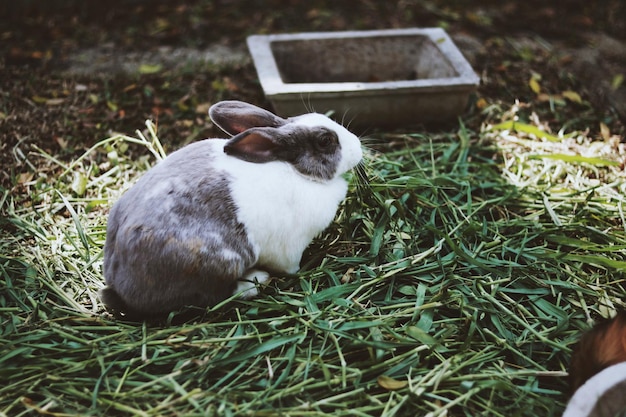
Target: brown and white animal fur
[(602, 346)]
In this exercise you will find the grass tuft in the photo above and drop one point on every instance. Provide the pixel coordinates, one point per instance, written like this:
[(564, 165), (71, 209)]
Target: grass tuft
[(454, 281)]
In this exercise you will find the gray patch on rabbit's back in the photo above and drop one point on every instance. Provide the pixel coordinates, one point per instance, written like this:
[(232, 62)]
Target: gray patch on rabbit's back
[(205, 217), (170, 232)]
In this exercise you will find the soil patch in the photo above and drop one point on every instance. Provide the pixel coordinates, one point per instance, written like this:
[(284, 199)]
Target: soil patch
[(72, 72)]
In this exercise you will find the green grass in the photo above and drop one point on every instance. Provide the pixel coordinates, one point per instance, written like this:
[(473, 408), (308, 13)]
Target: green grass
[(455, 280)]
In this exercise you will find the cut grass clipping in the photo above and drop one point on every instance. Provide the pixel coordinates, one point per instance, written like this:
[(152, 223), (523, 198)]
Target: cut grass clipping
[(455, 280)]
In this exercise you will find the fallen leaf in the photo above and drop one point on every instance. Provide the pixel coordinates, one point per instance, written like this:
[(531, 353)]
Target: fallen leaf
[(572, 96), (25, 177), (203, 108), (54, 101), (230, 85), (481, 103), (62, 142), (87, 110), (161, 25), (543, 97), (390, 383), (313, 13), (604, 131), (617, 81), (157, 110), (150, 69), (534, 85), (182, 106), (79, 184)]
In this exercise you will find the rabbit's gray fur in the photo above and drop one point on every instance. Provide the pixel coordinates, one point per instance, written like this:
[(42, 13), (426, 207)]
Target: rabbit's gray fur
[(192, 247)]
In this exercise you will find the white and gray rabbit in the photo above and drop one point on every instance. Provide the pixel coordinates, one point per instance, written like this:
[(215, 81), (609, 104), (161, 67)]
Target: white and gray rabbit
[(217, 216)]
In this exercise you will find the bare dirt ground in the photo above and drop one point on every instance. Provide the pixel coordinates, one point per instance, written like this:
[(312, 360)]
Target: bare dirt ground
[(72, 72)]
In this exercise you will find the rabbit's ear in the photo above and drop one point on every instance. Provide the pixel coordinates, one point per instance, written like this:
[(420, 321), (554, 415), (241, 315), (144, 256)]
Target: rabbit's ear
[(255, 145), (234, 117)]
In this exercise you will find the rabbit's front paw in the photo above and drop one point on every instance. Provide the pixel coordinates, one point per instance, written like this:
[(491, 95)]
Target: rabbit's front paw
[(246, 286)]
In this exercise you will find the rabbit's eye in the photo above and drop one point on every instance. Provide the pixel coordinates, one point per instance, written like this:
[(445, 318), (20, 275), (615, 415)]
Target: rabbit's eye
[(325, 142)]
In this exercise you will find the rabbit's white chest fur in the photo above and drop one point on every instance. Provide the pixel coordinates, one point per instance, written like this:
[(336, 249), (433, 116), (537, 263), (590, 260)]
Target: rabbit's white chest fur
[(281, 209)]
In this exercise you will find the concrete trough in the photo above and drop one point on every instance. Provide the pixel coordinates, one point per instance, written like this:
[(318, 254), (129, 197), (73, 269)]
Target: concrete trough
[(381, 78)]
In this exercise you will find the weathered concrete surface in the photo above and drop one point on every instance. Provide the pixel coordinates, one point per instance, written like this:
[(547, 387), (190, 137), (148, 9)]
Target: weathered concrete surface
[(108, 60), (378, 78)]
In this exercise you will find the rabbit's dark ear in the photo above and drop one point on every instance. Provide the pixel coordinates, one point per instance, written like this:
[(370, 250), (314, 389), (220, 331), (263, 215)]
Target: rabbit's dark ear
[(255, 145), (234, 117)]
